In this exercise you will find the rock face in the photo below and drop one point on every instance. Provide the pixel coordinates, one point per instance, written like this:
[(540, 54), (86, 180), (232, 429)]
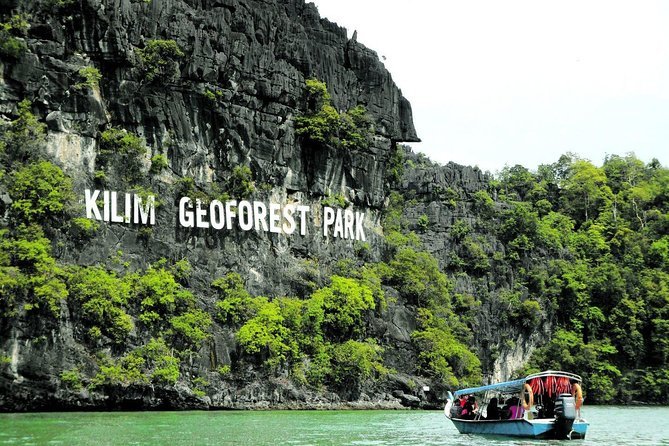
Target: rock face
[(231, 100), (253, 59)]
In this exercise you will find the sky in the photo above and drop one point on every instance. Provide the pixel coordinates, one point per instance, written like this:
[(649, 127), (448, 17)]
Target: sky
[(500, 83)]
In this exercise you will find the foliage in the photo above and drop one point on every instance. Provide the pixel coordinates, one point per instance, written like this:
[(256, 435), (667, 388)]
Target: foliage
[(354, 362), (417, 276), (71, 379), (213, 95), (162, 367), (40, 192), (23, 138), (11, 45), (103, 298), (395, 169), (122, 150), (159, 60), (344, 303), (28, 272), (235, 304), (83, 228), (90, 78), (445, 358), (568, 351), (423, 222), (192, 326), (150, 363), (125, 371), (158, 164), (337, 200), (266, 336), (160, 295), (240, 184), (323, 125)]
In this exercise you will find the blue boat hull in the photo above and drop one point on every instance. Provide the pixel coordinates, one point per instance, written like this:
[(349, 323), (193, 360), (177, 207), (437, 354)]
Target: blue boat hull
[(542, 428)]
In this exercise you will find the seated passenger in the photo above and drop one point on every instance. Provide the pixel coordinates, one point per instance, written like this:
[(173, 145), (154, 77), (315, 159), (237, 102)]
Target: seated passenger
[(469, 408), (492, 411), (515, 409)]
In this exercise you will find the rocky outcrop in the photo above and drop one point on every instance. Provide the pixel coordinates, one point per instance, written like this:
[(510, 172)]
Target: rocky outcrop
[(230, 100)]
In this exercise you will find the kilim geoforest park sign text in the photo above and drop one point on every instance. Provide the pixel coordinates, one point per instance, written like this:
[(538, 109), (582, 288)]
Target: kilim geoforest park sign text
[(110, 206)]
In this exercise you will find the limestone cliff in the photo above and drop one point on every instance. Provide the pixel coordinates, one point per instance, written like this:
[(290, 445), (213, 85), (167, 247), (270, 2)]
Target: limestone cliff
[(229, 100), (224, 89)]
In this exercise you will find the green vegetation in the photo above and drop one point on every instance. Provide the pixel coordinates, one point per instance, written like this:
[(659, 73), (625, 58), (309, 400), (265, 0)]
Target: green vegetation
[(213, 95), (11, 31), (40, 193), (588, 245), (71, 379), (323, 125), (159, 60), (158, 164), (22, 139), (337, 200), (575, 247), (240, 185), (123, 151), (90, 78)]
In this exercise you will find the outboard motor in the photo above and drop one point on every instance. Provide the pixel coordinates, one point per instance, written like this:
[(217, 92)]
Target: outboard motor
[(565, 414)]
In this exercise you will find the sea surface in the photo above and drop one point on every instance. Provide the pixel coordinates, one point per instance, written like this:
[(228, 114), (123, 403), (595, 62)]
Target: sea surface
[(609, 425)]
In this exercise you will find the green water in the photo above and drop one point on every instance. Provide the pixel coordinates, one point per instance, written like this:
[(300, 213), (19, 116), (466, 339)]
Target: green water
[(608, 425)]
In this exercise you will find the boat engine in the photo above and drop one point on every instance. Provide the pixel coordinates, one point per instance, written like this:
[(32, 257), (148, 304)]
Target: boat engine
[(565, 414)]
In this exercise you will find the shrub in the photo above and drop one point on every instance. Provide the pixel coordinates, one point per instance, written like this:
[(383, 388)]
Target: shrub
[(125, 371), (322, 124), (163, 368), (90, 78), (423, 222), (10, 45), (83, 228), (354, 362), (213, 96), (234, 304), (24, 137), (192, 326), (240, 184), (49, 292), (418, 278), (159, 60), (337, 200), (160, 295), (344, 303), (102, 297), (158, 164), (445, 358), (266, 336), (40, 193), (71, 379), (125, 150)]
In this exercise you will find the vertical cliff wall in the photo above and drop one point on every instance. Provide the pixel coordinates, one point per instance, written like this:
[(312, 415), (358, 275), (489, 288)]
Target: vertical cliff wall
[(221, 91), (232, 102), (204, 99)]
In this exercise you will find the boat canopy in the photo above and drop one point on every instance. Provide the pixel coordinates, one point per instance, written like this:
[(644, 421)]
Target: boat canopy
[(516, 385)]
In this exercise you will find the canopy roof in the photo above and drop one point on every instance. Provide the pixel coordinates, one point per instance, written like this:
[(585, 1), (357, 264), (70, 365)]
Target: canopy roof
[(517, 385)]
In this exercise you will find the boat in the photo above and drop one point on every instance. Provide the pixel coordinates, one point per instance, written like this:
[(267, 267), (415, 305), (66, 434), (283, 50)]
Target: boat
[(544, 405)]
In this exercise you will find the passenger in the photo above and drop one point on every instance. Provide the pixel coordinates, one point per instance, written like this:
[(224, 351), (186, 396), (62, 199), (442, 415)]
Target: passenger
[(492, 411), (515, 409), (469, 409)]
